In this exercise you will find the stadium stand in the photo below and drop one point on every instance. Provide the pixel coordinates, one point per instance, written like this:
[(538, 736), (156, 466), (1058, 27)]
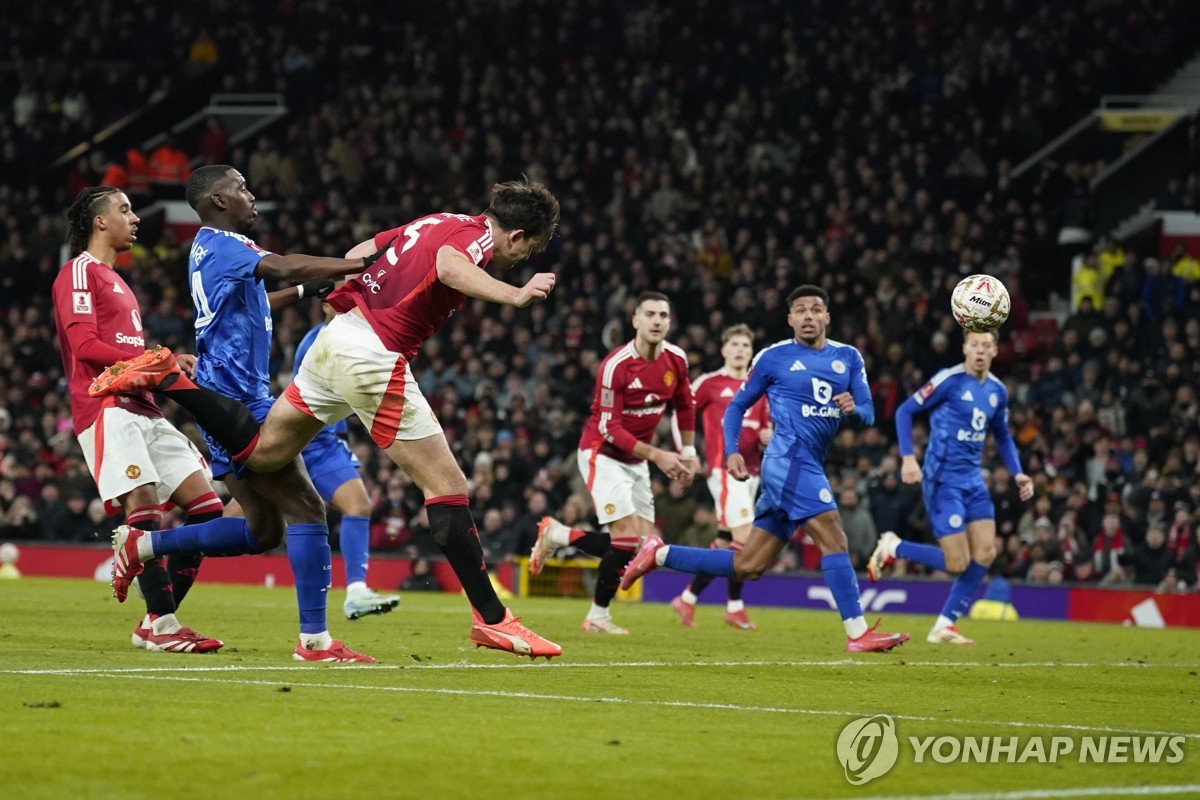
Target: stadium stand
[(701, 149)]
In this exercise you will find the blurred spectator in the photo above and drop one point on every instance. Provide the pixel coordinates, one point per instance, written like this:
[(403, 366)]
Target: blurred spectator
[(214, 142), (1150, 561), (859, 526), (421, 579), (496, 538), (675, 508), (701, 531), (1108, 548)]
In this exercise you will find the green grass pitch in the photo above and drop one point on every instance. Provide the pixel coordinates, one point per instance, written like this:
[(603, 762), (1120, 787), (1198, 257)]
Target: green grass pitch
[(662, 713)]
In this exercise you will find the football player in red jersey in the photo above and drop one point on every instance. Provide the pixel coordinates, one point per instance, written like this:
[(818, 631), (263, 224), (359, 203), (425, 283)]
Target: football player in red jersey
[(136, 457), (734, 499), (359, 365), (634, 385)]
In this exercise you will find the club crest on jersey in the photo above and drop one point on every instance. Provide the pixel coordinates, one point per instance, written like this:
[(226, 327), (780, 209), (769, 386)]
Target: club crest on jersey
[(669, 379), (838, 367), (82, 302), (133, 472), (993, 401)]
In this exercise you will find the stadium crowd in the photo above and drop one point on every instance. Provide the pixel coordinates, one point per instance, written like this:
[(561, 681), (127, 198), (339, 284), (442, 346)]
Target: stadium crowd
[(698, 149)]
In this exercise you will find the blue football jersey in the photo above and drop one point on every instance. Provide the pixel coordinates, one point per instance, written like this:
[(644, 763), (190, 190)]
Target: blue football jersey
[(800, 384), (961, 410), (233, 317)]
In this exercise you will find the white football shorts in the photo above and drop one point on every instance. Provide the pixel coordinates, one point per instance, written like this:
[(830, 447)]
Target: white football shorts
[(124, 451), (349, 371)]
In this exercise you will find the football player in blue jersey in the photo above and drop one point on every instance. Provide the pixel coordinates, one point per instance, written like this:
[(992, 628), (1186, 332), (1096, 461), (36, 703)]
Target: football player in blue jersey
[(226, 270), (811, 384), (333, 468), (964, 403)]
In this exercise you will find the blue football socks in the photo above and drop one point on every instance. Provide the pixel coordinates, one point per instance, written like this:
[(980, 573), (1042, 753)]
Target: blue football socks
[(964, 588), (224, 536), (309, 554), (842, 582), (355, 544), (925, 554), (702, 561)]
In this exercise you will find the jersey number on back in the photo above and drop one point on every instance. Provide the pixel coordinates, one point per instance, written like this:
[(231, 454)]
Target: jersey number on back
[(413, 232), (204, 314)]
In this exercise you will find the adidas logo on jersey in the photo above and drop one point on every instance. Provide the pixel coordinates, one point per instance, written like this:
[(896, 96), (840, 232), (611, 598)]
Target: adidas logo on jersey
[(797, 366), (117, 289), (970, 398), (727, 392), (637, 384)]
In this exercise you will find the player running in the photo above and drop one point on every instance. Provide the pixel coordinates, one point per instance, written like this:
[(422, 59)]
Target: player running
[(811, 384), (734, 499), (963, 402), (359, 365), (634, 385), (333, 468), (138, 460)]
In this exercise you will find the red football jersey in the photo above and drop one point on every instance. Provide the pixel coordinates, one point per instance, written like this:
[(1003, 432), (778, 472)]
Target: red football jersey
[(631, 396), (98, 324), (400, 295), (714, 391)]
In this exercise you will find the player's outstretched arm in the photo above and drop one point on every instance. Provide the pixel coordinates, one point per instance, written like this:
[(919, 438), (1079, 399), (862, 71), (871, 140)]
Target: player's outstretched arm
[(286, 297), (301, 267), (459, 273)]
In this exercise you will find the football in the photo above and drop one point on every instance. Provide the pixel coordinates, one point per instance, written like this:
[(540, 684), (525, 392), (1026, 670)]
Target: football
[(980, 303)]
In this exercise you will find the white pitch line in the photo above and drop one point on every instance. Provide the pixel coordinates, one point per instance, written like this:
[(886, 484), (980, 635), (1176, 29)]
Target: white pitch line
[(843, 662), (671, 703), (1040, 794)]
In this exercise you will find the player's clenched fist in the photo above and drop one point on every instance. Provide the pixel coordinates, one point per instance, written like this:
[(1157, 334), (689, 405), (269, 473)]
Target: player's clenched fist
[(538, 288), (735, 465), (845, 402)]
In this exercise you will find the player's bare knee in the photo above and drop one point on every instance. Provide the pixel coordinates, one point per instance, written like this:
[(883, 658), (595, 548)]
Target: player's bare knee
[(956, 562), (304, 506), (268, 536), (269, 456), (985, 554), (835, 546), (748, 568), (356, 509)]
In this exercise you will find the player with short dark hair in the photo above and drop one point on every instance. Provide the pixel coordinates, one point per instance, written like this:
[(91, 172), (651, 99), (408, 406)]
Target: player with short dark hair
[(233, 325), (733, 499), (812, 384), (964, 403), (359, 364), (634, 385), (138, 460)]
